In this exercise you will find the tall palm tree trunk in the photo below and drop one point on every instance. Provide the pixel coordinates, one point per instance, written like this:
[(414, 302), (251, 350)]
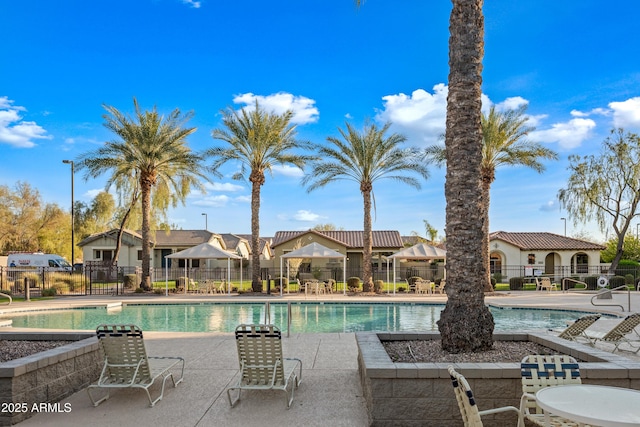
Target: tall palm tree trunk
[(466, 323), (486, 202), (367, 273), (256, 180), (145, 187)]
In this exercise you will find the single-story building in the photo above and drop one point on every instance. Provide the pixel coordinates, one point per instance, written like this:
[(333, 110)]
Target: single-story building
[(540, 253), (350, 243)]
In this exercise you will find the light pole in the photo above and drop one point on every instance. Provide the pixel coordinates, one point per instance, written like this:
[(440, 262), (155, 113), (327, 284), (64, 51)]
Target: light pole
[(73, 259), (206, 220), (565, 226)]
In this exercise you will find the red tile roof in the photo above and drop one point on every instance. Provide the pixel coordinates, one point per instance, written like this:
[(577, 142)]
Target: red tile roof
[(544, 241), (350, 239)]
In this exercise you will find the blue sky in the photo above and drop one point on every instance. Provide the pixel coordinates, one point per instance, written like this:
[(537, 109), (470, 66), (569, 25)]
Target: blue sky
[(576, 65)]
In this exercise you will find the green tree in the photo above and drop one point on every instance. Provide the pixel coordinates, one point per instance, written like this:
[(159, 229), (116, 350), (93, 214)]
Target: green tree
[(631, 249), (466, 324), (258, 140), (365, 157), (504, 143), (606, 188), (153, 149), (27, 224)]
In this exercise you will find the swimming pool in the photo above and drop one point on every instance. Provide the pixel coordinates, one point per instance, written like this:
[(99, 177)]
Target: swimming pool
[(305, 317)]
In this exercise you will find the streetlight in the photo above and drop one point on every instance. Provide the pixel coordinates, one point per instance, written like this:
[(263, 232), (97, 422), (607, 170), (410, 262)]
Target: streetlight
[(206, 220), (565, 226), (73, 259)]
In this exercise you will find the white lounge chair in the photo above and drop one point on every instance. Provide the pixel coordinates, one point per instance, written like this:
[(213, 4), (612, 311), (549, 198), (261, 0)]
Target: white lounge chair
[(577, 329), (619, 334), (539, 371), (471, 416), (262, 366), (126, 364)]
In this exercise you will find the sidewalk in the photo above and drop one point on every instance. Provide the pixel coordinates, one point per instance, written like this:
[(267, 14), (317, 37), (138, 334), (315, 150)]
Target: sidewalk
[(330, 393)]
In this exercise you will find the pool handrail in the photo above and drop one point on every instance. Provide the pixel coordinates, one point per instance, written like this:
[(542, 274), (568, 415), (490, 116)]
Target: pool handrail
[(2, 294), (575, 281), (604, 290)]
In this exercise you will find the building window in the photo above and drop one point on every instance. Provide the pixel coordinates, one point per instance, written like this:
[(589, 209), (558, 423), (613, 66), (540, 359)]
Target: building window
[(140, 255), (495, 264), (531, 259)]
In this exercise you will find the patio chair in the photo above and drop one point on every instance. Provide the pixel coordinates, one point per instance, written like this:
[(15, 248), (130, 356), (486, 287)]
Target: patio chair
[(440, 288), (262, 366), (544, 283), (204, 287), (126, 364), (577, 328), (423, 287), (539, 371), (619, 334), (471, 416)]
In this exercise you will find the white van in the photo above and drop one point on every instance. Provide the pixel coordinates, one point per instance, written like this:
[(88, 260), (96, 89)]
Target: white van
[(38, 259)]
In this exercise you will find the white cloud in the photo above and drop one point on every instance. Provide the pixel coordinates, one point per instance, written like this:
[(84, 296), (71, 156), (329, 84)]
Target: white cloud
[(551, 205), (568, 135), (626, 114), (13, 130), (91, 194), (194, 4), (307, 216), (226, 187), (243, 199), (304, 110), (301, 216), (218, 201), (595, 111), (511, 103), (287, 170), (420, 116)]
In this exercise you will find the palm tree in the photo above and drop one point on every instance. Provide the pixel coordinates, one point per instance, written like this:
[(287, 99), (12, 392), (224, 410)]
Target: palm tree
[(258, 140), (152, 148), (504, 143), (466, 323), (365, 158)]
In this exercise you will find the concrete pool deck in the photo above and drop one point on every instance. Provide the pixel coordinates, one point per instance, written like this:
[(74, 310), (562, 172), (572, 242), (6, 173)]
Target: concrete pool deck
[(330, 393)]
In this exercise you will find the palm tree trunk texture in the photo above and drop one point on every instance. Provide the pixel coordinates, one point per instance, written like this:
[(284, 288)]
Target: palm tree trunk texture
[(367, 273), (466, 323), (486, 202), (145, 185), (256, 180)]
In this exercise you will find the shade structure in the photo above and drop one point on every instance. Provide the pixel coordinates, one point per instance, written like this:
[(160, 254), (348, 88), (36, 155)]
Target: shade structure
[(316, 250), (204, 251), (419, 251)]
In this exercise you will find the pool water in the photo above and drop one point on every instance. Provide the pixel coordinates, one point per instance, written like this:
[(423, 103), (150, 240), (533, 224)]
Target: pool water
[(305, 317)]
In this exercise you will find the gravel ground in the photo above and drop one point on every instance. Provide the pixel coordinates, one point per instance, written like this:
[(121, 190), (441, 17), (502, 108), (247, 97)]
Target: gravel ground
[(430, 351), (10, 350)]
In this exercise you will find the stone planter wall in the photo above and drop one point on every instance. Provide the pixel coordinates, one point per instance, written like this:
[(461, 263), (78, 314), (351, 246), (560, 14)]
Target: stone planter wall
[(421, 394), (46, 377)]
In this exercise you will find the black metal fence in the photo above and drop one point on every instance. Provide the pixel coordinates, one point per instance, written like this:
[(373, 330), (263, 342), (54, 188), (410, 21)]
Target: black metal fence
[(97, 279)]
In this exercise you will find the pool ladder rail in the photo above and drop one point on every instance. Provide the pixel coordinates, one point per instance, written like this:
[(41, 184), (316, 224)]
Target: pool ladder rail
[(267, 315)]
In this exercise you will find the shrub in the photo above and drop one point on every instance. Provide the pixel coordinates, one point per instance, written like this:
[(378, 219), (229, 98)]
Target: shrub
[(353, 283), (139, 291), (627, 266), (49, 292), (616, 281), (591, 281), (377, 286), (497, 277), (158, 291), (628, 279), (401, 289), (283, 282), (516, 283), (493, 283), (130, 281)]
